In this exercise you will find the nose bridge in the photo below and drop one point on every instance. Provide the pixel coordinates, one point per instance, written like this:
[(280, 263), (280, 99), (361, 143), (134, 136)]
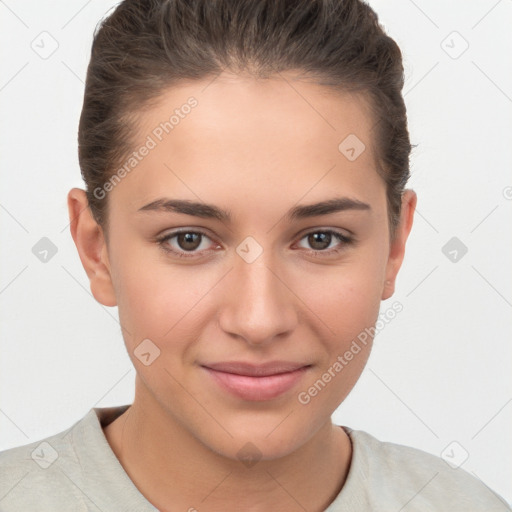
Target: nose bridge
[(259, 306)]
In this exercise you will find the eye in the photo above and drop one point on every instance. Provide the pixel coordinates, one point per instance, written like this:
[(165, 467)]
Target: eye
[(185, 243), (189, 244), (321, 242)]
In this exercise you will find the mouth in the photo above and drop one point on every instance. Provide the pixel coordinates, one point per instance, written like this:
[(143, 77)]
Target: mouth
[(256, 382)]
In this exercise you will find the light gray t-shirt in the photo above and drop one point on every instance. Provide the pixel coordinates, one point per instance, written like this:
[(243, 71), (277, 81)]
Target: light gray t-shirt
[(76, 470)]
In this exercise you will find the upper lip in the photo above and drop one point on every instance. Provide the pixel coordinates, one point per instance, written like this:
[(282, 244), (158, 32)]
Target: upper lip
[(255, 370)]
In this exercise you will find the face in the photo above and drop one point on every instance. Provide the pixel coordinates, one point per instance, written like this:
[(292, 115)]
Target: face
[(245, 294)]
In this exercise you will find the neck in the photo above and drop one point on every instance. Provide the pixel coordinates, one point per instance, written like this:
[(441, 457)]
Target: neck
[(170, 466)]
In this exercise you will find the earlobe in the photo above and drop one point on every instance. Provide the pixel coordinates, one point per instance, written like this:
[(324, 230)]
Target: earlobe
[(389, 289), (397, 246), (91, 245)]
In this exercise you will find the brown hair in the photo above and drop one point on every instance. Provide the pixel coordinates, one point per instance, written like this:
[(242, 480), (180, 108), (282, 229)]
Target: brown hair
[(146, 46)]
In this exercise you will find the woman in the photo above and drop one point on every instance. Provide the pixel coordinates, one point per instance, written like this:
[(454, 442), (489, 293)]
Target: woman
[(245, 208)]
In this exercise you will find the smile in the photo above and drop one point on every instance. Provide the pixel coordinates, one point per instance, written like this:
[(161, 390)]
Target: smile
[(256, 382)]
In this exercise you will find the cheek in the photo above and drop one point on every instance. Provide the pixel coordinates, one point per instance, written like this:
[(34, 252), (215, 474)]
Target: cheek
[(347, 300), (348, 306), (156, 299), (347, 296), (160, 301)]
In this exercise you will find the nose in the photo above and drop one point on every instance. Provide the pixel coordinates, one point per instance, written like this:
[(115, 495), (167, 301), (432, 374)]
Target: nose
[(259, 304)]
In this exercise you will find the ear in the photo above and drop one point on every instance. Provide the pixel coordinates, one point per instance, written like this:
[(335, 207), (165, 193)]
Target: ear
[(397, 246), (91, 245)]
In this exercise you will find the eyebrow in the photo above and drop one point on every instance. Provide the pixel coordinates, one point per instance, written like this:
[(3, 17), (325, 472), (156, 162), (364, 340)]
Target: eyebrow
[(209, 211)]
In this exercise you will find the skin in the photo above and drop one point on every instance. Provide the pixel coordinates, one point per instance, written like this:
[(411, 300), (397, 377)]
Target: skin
[(255, 148)]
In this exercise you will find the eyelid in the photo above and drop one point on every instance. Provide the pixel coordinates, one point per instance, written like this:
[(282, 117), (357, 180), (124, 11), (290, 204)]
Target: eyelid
[(192, 229), (324, 229)]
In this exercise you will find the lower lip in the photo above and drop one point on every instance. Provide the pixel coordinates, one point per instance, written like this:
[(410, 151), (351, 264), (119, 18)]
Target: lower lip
[(257, 388)]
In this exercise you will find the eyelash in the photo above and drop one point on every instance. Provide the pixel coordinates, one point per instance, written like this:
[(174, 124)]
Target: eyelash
[(344, 239)]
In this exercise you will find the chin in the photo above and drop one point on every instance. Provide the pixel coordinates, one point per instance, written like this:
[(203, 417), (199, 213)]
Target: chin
[(272, 438)]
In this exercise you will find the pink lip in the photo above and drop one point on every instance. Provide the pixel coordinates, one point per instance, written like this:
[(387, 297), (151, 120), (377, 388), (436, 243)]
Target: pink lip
[(256, 382)]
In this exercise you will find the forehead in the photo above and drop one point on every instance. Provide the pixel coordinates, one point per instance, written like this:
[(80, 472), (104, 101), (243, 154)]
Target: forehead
[(258, 136), (242, 105)]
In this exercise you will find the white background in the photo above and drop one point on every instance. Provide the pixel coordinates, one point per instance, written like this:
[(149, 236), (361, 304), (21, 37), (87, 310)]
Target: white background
[(440, 371)]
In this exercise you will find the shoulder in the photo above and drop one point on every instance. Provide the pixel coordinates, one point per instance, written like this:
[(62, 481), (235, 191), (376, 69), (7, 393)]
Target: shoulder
[(72, 470), (27, 472), (417, 480)]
